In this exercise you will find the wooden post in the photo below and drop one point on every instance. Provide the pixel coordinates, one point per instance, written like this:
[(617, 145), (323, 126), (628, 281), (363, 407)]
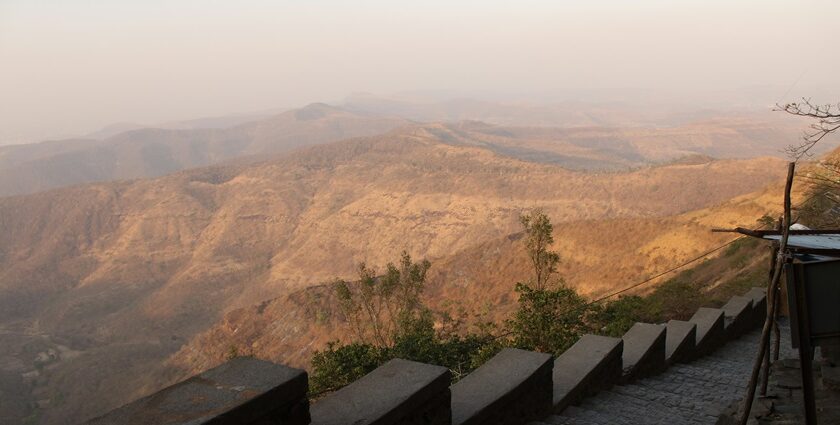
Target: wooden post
[(806, 351), (765, 369), (776, 332), (771, 301)]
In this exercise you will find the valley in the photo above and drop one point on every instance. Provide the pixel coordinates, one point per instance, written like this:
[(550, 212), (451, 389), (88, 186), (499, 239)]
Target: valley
[(110, 290)]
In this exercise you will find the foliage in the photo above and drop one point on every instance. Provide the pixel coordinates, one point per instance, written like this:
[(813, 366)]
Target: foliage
[(380, 309), (548, 320), (826, 121), (389, 320), (339, 365), (822, 207), (617, 317), (551, 316), (538, 229), (766, 222), (679, 297), (232, 352)]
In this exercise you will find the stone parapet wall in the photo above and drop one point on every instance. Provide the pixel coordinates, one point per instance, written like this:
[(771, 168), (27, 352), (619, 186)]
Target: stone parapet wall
[(398, 392), (514, 387), (243, 391)]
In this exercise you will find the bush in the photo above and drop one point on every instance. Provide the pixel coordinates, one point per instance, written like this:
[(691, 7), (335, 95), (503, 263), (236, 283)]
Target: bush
[(548, 320), (617, 317), (389, 321), (339, 365), (379, 308)]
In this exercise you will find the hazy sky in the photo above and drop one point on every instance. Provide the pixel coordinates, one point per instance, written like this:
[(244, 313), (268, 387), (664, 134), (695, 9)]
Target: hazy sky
[(69, 67)]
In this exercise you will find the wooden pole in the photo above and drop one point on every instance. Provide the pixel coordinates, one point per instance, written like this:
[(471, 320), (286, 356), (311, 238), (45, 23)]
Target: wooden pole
[(776, 331), (778, 334), (765, 368), (806, 352), (772, 310), (771, 301), (774, 313)]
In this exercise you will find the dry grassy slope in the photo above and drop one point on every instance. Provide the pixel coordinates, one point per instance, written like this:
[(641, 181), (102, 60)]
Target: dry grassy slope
[(728, 137), (313, 215), (599, 256), (125, 273)]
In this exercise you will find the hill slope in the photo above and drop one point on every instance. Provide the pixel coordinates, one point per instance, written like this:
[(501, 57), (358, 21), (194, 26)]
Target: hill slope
[(100, 283), (598, 257)]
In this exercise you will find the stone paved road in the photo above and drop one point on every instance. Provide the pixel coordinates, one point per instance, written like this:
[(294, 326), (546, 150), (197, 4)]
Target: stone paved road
[(693, 393)]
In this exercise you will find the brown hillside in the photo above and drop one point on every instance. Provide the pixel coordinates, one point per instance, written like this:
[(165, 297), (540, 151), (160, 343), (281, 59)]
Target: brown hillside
[(110, 275), (598, 256)]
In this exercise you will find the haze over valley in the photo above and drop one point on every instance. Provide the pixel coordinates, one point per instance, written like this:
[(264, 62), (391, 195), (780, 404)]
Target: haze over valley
[(181, 182)]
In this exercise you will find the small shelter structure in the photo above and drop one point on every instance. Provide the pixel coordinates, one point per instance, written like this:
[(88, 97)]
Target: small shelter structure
[(812, 278)]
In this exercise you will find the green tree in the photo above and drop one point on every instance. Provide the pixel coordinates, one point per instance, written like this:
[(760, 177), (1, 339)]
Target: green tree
[(538, 231), (339, 365), (548, 320), (550, 316), (387, 316), (379, 309)]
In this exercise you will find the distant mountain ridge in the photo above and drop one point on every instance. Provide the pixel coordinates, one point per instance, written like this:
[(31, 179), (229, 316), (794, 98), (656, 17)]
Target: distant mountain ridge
[(574, 135), (152, 152)]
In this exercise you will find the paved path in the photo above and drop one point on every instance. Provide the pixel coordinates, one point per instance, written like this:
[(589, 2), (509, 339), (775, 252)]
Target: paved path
[(692, 393)]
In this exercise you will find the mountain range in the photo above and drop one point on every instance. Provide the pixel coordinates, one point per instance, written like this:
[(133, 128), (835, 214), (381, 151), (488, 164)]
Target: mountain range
[(152, 152), (111, 289), (576, 136)]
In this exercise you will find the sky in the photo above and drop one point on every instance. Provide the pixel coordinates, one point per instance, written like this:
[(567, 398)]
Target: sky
[(68, 67)]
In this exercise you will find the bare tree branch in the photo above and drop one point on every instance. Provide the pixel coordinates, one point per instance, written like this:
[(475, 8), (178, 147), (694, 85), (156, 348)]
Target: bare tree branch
[(828, 121)]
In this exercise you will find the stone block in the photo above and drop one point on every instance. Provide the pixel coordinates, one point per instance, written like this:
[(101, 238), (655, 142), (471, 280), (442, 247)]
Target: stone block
[(592, 364), (711, 333), (680, 339), (398, 392), (644, 351), (831, 377), (738, 315), (242, 391), (759, 299), (514, 387)]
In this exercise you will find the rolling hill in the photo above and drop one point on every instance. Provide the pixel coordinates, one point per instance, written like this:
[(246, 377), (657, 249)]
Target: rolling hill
[(577, 136), (101, 283)]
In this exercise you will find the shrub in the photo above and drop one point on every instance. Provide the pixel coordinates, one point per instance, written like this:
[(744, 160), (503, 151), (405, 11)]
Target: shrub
[(617, 317), (390, 321), (378, 309), (339, 365), (548, 320)]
